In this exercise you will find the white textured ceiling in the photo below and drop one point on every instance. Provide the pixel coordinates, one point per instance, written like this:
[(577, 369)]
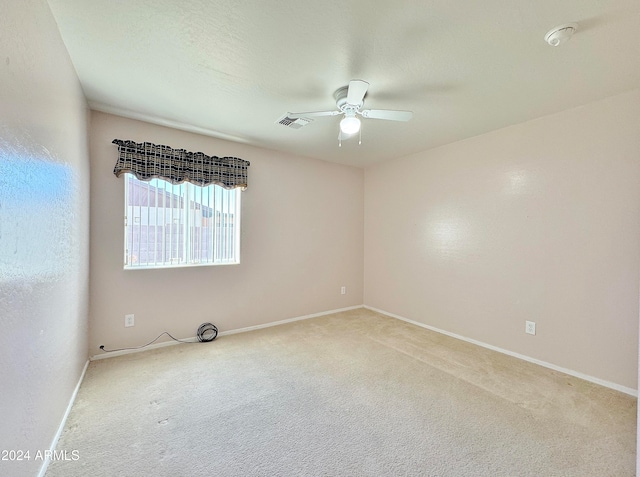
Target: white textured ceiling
[(232, 68)]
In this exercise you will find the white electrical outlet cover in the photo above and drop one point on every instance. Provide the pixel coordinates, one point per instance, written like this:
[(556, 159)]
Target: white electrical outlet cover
[(530, 327), (129, 320)]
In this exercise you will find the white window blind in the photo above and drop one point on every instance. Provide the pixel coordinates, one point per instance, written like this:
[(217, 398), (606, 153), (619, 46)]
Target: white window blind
[(168, 225)]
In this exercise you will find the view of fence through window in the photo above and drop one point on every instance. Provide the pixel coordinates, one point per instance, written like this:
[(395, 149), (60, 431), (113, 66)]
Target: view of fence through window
[(180, 225)]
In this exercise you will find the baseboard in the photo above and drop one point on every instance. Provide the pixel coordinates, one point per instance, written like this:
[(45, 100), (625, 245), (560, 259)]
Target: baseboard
[(290, 320), (601, 382), (222, 333), (113, 354), (54, 443)]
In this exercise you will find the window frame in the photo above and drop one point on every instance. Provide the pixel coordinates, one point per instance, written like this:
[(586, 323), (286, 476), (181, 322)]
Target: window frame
[(186, 200)]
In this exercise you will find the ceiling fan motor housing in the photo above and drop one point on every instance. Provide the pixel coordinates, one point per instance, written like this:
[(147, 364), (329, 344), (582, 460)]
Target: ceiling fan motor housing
[(341, 100)]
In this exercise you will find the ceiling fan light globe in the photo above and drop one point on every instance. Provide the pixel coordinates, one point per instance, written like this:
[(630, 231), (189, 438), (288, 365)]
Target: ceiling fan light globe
[(350, 125)]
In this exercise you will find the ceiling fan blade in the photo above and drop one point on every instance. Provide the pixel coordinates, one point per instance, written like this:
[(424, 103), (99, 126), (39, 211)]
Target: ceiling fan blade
[(312, 114), (356, 92), (387, 114)]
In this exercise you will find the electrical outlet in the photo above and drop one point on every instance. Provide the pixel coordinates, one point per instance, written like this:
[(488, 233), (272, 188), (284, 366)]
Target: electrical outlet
[(343, 290), (129, 320), (530, 327)]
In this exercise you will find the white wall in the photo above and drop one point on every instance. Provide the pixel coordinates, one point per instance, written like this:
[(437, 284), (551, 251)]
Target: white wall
[(302, 226), (44, 230), (537, 221)]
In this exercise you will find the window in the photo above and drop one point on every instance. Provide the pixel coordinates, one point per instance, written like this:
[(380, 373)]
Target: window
[(181, 225)]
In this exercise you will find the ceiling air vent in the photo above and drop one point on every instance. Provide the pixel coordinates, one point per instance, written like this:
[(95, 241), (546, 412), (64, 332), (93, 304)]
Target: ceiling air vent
[(293, 123)]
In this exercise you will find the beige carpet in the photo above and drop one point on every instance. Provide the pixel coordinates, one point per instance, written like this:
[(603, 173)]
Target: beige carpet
[(350, 394)]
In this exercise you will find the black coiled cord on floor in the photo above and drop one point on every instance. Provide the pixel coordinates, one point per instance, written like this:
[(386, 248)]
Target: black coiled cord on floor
[(206, 332)]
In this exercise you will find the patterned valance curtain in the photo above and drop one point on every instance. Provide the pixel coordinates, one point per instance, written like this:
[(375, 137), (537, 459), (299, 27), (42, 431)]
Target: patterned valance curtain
[(148, 161)]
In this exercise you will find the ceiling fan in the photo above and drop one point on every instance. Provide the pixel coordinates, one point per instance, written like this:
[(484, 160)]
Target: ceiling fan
[(350, 100)]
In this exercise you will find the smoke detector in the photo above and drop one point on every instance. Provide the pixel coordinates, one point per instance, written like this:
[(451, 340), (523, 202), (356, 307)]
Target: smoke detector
[(560, 34)]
